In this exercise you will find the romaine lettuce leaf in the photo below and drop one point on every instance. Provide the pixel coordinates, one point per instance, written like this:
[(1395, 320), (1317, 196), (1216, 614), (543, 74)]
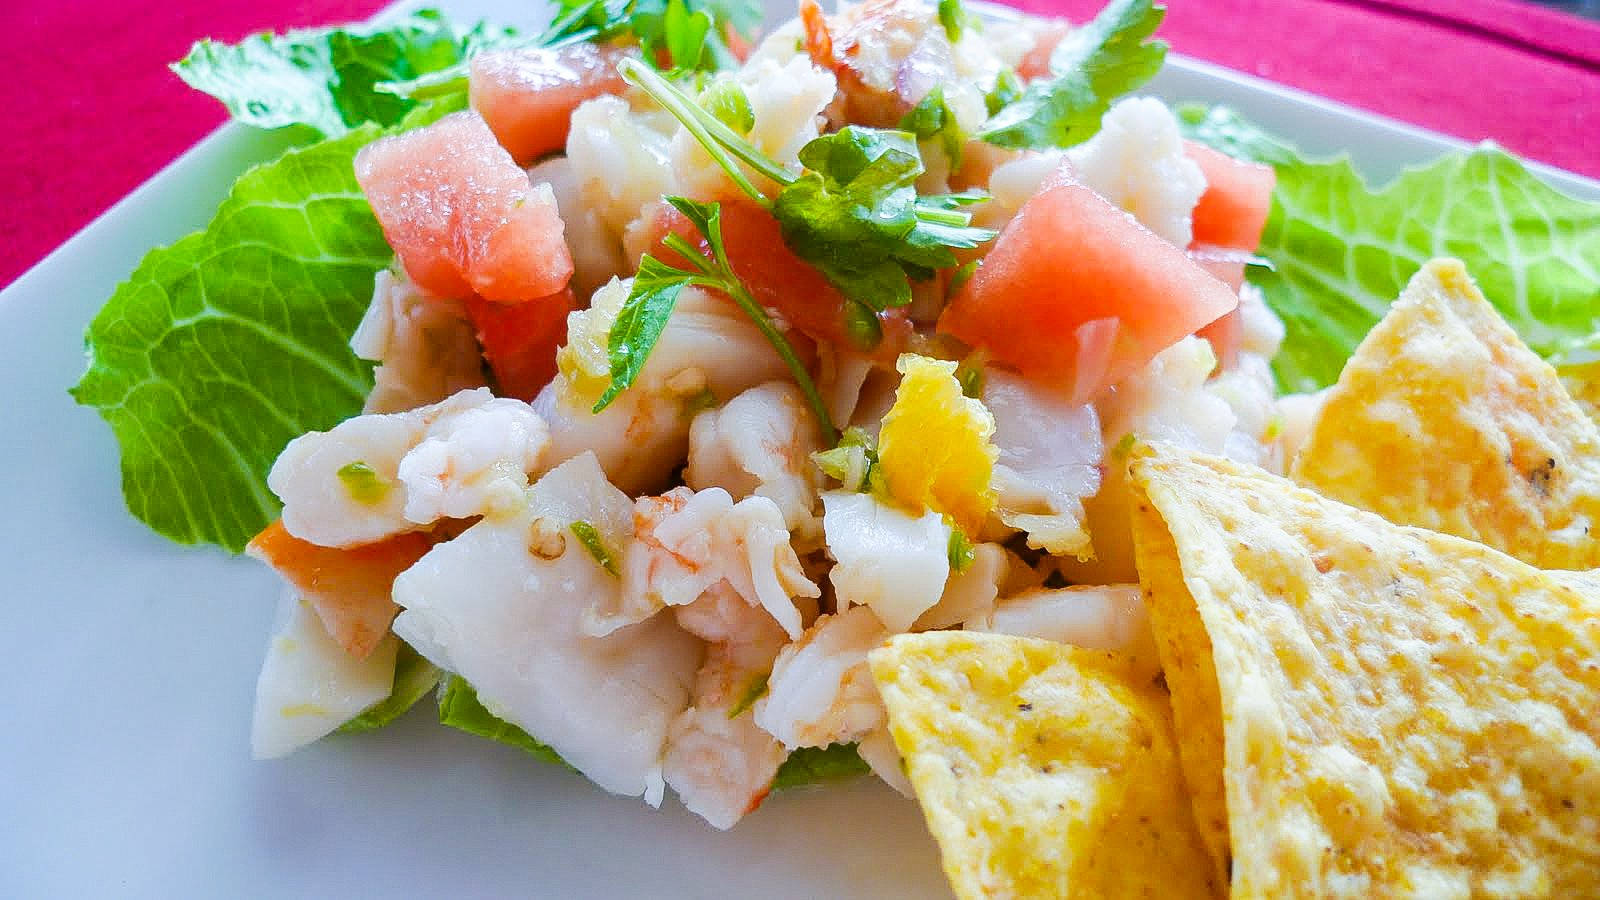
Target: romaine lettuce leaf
[(220, 349), (459, 708), (1342, 251), (324, 78), (414, 677)]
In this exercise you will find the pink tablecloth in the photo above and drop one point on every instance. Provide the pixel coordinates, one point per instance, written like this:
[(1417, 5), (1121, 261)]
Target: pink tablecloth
[(97, 112)]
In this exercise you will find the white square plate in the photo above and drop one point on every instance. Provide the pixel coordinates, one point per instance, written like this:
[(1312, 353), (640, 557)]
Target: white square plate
[(130, 662)]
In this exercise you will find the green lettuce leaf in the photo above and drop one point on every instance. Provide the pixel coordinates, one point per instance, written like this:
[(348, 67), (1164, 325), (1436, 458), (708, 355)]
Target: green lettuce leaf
[(1342, 251), (459, 708), (809, 765), (414, 677), (220, 349), (325, 78)]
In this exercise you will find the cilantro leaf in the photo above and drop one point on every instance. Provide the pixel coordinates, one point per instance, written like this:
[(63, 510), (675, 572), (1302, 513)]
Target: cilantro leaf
[(325, 78), (933, 118), (955, 19), (1342, 251), (1092, 66), (460, 708), (639, 324), (690, 32), (220, 349)]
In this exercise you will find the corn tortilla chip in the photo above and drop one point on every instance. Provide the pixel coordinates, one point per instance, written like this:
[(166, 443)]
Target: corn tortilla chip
[(1445, 420), (1044, 770), (1583, 383), (1395, 711)]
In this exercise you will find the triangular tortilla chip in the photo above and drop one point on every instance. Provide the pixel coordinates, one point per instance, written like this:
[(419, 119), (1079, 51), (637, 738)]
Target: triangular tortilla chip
[(1583, 383), (1398, 712), (1445, 420), (1044, 770)]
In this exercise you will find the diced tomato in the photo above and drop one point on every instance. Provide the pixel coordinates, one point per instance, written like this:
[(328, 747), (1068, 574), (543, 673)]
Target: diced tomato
[(527, 96), (1078, 294), (782, 281), (349, 587), (520, 339), (1233, 210), (1036, 62), (819, 42), (462, 216), (1223, 263)]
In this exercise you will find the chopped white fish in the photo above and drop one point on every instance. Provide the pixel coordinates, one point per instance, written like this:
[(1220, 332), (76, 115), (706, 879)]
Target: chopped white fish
[(1051, 453), (502, 606), (718, 759), (1011, 184), (760, 443), (892, 562), (1136, 161), (971, 592), (424, 346), (1295, 415), (309, 685), (820, 691), (841, 378), (1249, 389), (684, 542), (376, 475), (642, 438), (1102, 617), (1261, 331)]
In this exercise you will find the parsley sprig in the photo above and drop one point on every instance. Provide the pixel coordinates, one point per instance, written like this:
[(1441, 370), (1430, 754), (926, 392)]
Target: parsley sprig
[(854, 213), (655, 293), (1091, 67)]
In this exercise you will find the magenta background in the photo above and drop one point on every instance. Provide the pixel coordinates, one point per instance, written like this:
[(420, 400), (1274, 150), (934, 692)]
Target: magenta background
[(95, 112)]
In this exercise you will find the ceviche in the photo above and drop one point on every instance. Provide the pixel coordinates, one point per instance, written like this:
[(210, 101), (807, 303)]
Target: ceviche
[(714, 406)]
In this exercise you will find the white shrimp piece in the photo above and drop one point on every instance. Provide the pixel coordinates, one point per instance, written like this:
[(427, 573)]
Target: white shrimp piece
[(1050, 456), (597, 255), (760, 443), (786, 102), (309, 685), (685, 542), (971, 592), (502, 606), (1104, 617), (318, 505), (820, 691), (621, 162), (718, 759), (1137, 162), (642, 438), (890, 561), (424, 346), (474, 461), (841, 378)]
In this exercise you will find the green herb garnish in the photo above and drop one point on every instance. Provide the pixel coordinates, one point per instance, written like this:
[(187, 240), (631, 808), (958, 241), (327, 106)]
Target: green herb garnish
[(362, 483), (589, 537)]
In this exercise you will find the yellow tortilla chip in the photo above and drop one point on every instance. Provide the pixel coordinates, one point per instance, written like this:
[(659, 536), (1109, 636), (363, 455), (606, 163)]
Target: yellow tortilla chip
[(1396, 712), (1044, 770), (1583, 383), (1445, 420)]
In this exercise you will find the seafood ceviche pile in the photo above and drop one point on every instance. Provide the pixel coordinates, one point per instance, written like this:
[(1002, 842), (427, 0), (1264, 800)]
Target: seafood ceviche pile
[(719, 408)]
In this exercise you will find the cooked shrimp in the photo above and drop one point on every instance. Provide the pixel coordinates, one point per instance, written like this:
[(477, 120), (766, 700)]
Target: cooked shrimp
[(760, 443), (1106, 617), (382, 474), (684, 542), (821, 691), (718, 759), (424, 346), (502, 606)]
